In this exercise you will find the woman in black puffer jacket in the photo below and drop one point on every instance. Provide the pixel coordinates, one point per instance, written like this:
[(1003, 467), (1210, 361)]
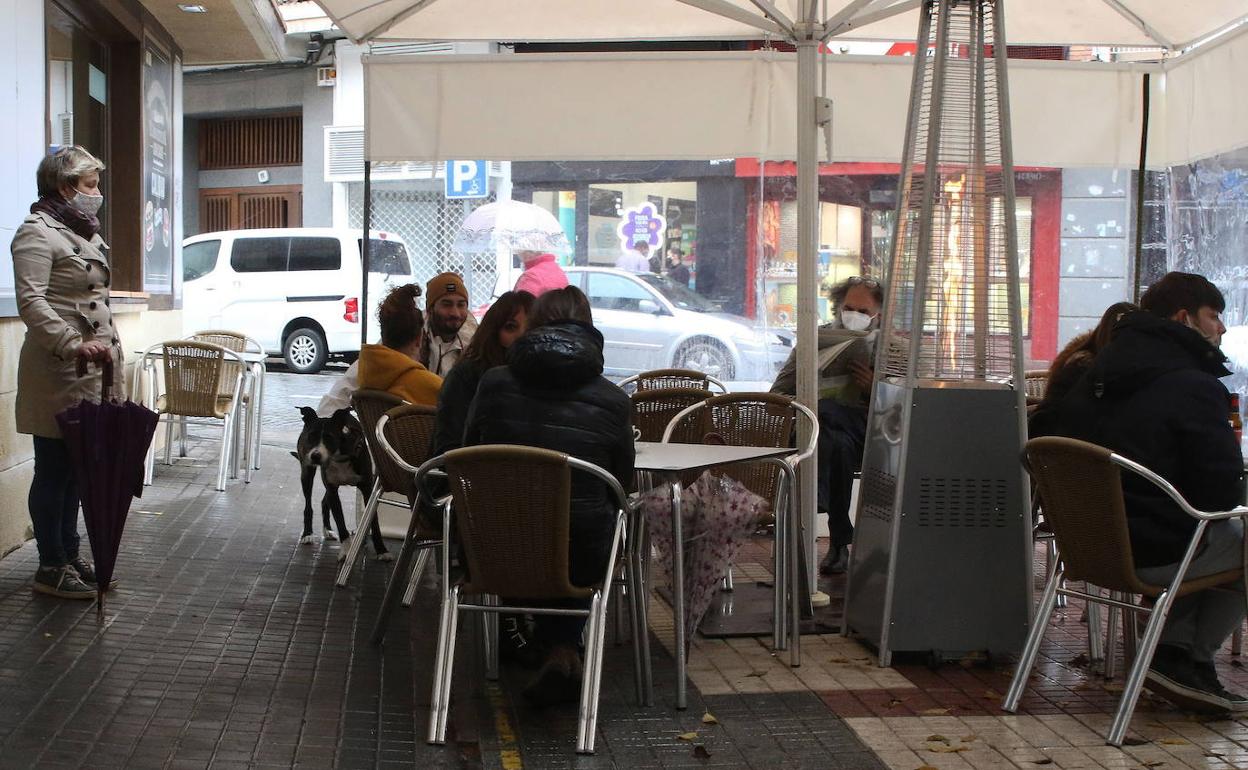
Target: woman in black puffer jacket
[(551, 394)]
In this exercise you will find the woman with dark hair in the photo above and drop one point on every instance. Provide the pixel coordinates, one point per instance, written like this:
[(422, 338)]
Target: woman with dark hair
[(393, 366), (1077, 357), (551, 394), (62, 270), (502, 325)]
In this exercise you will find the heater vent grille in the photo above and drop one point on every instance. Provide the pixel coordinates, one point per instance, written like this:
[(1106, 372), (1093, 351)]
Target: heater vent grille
[(879, 491), (953, 302), (974, 503)]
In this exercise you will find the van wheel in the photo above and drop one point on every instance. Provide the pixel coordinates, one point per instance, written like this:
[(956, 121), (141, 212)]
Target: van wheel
[(305, 351)]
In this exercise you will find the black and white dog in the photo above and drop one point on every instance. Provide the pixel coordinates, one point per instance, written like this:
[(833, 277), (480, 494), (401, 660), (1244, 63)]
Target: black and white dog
[(336, 446)]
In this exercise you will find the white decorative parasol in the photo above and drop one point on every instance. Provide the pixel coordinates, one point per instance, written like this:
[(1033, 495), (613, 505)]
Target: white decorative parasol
[(513, 225)]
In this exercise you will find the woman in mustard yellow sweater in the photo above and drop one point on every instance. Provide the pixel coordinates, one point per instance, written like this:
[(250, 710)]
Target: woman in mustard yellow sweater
[(392, 365)]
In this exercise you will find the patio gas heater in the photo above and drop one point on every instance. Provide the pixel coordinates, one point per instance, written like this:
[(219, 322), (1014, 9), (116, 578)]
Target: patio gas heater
[(941, 561)]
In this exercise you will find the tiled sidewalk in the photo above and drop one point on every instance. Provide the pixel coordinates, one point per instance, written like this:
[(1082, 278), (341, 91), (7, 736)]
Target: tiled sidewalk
[(228, 646)]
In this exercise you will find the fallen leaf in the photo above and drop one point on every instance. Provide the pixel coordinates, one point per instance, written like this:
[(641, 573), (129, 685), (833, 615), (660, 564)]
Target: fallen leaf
[(700, 752), (687, 736), (709, 719), (757, 673), (944, 748), (1080, 660), (1134, 742), (894, 703), (926, 767), (936, 738), (1045, 761), (1157, 763), (992, 694), (1173, 742), (838, 659), (47, 636), (968, 738), (934, 712)]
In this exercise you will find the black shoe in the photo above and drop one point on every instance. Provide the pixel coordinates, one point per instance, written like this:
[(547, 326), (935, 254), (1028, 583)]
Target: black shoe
[(559, 681), (62, 582), (86, 572), (1174, 676), (836, 562), (515, 644), (1208, 676)]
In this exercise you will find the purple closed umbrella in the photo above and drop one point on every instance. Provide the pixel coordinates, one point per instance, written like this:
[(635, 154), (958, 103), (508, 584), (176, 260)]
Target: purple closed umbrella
[(107, 445)]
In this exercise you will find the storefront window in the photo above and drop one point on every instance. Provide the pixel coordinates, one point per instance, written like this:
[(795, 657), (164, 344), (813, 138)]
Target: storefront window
[(78, 83)]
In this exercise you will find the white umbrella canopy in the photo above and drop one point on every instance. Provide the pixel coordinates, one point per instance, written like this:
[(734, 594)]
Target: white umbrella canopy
[(512, 225), (1172, 24)]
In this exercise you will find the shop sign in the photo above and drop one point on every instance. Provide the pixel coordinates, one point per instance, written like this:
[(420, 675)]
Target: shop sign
[(157, 170), (641, 224)]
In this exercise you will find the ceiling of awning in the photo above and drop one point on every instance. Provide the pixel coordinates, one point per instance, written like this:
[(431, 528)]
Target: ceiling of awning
[(1172, 24), (225, 32)]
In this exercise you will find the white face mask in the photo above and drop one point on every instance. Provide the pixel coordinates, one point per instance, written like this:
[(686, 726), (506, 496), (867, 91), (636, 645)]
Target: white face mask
[(87, 203), (856, 321)]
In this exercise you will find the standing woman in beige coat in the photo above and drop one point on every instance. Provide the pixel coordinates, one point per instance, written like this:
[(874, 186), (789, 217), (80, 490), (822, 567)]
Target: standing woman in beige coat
[(62, 272)]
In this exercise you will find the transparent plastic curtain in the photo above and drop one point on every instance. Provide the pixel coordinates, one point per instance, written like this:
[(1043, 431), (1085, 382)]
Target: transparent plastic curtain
[(711, 256), (1206, 232)]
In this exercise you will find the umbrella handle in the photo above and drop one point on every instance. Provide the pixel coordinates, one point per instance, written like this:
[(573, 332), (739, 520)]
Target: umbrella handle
[(106, 369)]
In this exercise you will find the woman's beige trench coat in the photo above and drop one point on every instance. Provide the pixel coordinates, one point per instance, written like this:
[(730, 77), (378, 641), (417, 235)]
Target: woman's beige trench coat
[(62, 283)]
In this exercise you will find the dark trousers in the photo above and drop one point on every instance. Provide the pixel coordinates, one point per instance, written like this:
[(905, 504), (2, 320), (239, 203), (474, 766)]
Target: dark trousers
[(842, 433), (54, 503), (589, 547)]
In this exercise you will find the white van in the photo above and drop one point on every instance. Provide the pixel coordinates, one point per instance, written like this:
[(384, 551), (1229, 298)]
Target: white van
[(295, 290)]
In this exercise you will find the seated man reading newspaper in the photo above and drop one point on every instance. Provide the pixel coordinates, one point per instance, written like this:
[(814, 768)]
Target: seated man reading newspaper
[(846, 352)]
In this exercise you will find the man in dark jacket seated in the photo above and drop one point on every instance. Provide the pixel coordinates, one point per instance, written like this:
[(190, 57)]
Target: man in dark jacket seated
[(1153, 396)]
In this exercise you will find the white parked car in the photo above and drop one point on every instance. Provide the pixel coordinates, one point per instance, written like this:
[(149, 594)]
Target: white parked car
[(295, 290), (650, 322)]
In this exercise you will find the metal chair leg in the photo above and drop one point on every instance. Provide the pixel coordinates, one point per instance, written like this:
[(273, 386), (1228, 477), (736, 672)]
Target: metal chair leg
[(361, 532), (1139, 667), (223, 463), (444, 665), (1111, 643), (1096, 647), (392, 585), (587, 721), (182, 431), (489, 636), (726, 584), (422, 560), (1035, 636), (169, 442)]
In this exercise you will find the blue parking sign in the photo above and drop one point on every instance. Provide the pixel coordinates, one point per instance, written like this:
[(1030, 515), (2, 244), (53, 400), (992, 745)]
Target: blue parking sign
[(467, 179)]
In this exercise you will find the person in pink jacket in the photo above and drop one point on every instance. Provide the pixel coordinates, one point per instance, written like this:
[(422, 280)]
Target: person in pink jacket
[(541, 273)]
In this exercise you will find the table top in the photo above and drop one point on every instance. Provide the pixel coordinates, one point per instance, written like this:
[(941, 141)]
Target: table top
[(248, 357), (659, 457)]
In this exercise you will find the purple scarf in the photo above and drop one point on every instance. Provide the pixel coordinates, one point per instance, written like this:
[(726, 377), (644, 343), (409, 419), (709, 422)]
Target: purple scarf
[(59, 209)]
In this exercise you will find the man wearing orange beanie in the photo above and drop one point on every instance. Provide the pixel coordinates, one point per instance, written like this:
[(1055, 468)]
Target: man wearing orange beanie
[(448, 329)]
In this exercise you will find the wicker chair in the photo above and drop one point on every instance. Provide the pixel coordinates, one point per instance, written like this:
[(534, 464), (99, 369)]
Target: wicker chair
[(239, 343), (749, 419), (192, 391), (388, 477), (405, 436), (511, 507), (1082, 489), (654, 409), (1035, 382), (658, 379)]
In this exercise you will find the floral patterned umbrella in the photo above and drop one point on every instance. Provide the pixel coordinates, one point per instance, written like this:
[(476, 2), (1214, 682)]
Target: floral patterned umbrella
[(513, 225)]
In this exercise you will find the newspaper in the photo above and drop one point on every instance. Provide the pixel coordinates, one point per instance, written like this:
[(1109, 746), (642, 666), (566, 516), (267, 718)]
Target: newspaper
[(836, 379), (838, 348)]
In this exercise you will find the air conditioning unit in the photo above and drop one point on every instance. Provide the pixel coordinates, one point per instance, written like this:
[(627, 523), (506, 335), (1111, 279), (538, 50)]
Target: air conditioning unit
[(326, 76)]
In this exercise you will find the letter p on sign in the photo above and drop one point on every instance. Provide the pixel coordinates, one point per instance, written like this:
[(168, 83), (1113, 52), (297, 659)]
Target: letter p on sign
[(467, 179)]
